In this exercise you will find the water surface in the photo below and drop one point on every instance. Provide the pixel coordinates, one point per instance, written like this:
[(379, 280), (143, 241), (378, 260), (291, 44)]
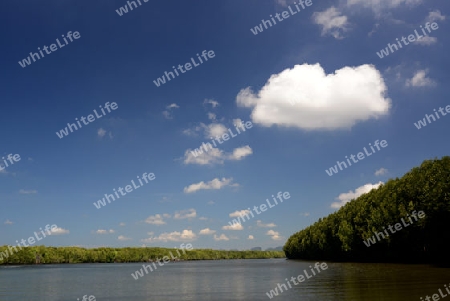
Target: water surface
[(220, 280)]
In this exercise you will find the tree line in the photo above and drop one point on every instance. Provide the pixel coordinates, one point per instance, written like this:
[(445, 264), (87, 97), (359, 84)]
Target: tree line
[(52, 255), (340, 236)]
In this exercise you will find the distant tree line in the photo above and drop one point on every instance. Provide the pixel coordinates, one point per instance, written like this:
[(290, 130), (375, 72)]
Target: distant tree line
[(340, 235), (47, 255)]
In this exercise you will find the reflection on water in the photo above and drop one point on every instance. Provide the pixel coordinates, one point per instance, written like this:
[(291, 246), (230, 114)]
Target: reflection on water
[(221, 280)]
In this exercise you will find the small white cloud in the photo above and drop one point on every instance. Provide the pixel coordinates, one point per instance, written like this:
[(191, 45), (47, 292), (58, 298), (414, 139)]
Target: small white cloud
[(344, 198), (122, 224), (59, 231), (211, 102), (435, 16), (426, 41), (305, 214), (211, 116), (262, 225), (332, 22), (274, 235), (213, 184), (241, 152), (22, 191), (234, 227), (168, 113), (251, 237), (8, 222), (420, 79), (172, 106), (210, 203), (381, 171), (100, 231), (239, 213), (207, 231), (221, 237), (156, 219), (215, 155), (185, 235), (101, 132), (110, 135), (123, 238), (165, 215), (183, 214)]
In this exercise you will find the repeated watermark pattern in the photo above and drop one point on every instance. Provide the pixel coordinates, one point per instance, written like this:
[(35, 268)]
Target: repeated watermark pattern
[(411, 38), (161, 262), (423, 122), (188, 66), (128, 188), (225, 137), (27, 61), (90, 118), (360, 155), (300, 278)]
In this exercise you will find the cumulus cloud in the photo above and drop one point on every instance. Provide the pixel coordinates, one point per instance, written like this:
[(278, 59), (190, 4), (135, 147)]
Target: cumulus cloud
[(8, 222), (207, 231), (426, 41), (250, 237), (221, 237), (346, 197), (239, 213), (332, 21), (381, 171), (59, 231), (215, 156), (155, 220), (420, 79), (274, 235), (168, 112), (322, 102), (213, 184), (183, 214), (381, 5), (211, 116), (435, 15), (23, 191), (234, 227), (101, 132), (212, 102), (101, 231), (185, 235), (122, 224), (262, 225), (123, 238)]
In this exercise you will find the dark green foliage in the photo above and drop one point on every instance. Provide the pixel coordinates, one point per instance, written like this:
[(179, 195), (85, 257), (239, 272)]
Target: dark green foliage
[(340, 235), (109, 255)]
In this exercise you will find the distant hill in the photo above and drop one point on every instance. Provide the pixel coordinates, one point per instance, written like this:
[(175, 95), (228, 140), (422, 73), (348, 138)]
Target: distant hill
[(275, 249), (256, 249), (355, 232)]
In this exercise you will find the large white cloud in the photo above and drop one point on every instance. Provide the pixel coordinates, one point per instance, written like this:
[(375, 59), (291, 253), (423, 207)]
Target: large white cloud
[(346, 197), (306, 97)]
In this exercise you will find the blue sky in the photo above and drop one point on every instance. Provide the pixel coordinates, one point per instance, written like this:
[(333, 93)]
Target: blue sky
[(329, 96)]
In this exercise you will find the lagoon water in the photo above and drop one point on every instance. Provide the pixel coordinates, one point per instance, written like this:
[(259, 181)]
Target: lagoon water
[(220, 280)]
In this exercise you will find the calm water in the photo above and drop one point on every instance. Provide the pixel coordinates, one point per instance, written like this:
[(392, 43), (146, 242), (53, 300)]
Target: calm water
[(220, 280)]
